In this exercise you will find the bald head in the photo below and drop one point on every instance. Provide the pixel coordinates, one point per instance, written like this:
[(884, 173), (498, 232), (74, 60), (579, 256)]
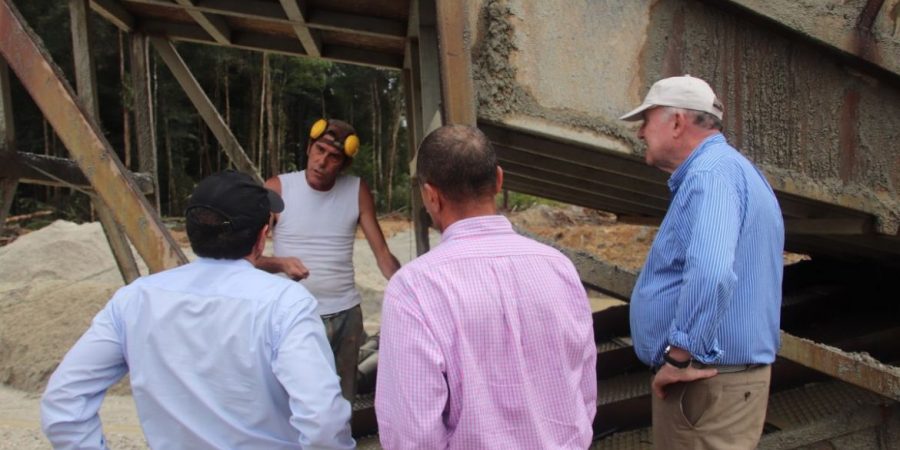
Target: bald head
[(459, 161)]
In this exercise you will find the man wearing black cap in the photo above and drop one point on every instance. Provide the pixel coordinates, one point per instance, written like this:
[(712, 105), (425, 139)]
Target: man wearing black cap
[(314, 237), (220, 354)]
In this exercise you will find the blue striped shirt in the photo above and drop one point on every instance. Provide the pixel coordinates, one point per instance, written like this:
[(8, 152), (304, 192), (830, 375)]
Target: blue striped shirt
[(712, 281)]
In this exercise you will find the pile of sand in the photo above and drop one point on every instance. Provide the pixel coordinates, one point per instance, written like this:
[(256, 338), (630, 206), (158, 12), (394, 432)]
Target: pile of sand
[(53, 282), (589, 230)]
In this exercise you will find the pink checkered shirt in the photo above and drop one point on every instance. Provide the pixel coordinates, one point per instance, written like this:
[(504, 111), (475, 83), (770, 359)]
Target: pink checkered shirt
[(486, 342)]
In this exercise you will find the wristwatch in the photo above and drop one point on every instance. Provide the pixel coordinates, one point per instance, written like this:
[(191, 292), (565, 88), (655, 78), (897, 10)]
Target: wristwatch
[(674, 362)]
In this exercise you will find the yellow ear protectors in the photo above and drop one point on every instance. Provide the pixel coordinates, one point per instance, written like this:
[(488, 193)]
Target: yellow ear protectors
[(350, 146)]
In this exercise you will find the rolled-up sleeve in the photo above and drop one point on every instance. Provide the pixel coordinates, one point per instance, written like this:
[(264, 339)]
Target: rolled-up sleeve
[(711, 222), (411, 391), (70, 404)]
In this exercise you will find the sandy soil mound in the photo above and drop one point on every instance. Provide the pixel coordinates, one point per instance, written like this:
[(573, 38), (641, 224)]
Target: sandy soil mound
[(591, 231), (52, 283)]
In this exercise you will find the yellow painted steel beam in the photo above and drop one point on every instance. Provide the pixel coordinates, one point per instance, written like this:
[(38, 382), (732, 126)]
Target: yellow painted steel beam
[(86, 143)]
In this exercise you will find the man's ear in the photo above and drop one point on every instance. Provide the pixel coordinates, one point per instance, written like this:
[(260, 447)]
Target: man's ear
[(679, 123), (499, 179), (432, 196), (260, 245)]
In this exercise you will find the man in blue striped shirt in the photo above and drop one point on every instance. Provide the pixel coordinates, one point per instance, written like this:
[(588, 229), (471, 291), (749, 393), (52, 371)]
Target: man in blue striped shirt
[(705, 310)]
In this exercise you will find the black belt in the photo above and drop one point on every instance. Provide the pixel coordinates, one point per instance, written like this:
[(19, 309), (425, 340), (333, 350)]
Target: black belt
[(727, 369)]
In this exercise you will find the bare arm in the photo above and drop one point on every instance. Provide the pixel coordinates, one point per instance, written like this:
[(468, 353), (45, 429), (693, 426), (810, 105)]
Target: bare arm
[(387, 262), (290, 265)]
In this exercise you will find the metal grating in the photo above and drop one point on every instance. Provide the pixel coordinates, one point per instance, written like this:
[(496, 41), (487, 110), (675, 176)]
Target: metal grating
[(813, 402)]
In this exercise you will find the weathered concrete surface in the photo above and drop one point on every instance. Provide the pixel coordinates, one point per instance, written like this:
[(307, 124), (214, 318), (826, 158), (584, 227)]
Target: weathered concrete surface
[(867, 29), (821, 125)]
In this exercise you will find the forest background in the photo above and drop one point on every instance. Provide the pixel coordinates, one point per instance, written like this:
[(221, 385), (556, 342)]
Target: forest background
[(269, 101)]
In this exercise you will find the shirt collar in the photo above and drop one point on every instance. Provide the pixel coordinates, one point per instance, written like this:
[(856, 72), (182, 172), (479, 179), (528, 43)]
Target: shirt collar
[(679, 173), (222, 262), (477, 226)]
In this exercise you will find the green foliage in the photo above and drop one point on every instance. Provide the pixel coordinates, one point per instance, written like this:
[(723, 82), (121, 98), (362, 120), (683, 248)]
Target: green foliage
[(516, 201), (303, 90)]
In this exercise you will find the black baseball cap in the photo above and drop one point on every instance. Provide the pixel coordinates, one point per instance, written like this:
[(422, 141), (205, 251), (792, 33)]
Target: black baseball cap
[(237, 197)]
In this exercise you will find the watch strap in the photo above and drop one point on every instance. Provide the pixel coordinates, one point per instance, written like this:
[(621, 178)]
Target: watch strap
[(672, 361)]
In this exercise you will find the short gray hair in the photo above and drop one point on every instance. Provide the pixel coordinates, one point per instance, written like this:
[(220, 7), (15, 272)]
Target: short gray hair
[(702, 119)]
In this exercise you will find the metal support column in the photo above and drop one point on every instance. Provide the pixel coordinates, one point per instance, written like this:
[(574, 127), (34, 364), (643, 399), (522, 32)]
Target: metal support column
[(7, 143), (85, 141), (86, 80), (205, 107), (145, 128)]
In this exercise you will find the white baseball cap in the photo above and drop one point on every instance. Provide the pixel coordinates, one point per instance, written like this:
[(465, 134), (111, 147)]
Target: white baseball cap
[(680, 92)]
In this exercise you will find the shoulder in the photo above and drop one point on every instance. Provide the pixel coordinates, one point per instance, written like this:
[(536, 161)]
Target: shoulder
[(721, 159), (551, 254), (350, 180), (274, 184)]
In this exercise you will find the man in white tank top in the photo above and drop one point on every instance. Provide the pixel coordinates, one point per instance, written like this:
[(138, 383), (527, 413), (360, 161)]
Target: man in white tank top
[(314, 238)]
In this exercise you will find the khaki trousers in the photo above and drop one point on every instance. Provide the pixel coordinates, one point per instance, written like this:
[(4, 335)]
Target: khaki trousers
[(345, 331), (726, 411)]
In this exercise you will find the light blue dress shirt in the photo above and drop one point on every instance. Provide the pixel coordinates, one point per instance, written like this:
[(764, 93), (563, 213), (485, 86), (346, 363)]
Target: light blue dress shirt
[(220, 355), (712, 281)]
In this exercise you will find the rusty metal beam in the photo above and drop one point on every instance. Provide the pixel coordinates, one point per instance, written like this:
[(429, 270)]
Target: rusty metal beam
[(205, 107), (849, 27), (424, 64), (86, 76), (8, 182), (858, 369), (142, 105), (85, 72), (268, 43), (414, 134), (429, 67), (356, 24), (114, 13), (90, 149), (314, 18), (855, 226), (354, 55), (457, 91), (246, 9), (296, 10), (45, 170), (214, 25)]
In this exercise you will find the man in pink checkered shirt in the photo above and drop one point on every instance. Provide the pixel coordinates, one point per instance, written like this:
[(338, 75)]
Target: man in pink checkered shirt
[(487, 340)]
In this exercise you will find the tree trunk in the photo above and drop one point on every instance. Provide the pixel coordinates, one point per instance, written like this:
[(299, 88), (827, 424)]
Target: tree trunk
[(376, 137), (126, 121), (47, 137), (227, 119), (271, 151), (264, 85), (205, 160), (167, 138), (392, 155)]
